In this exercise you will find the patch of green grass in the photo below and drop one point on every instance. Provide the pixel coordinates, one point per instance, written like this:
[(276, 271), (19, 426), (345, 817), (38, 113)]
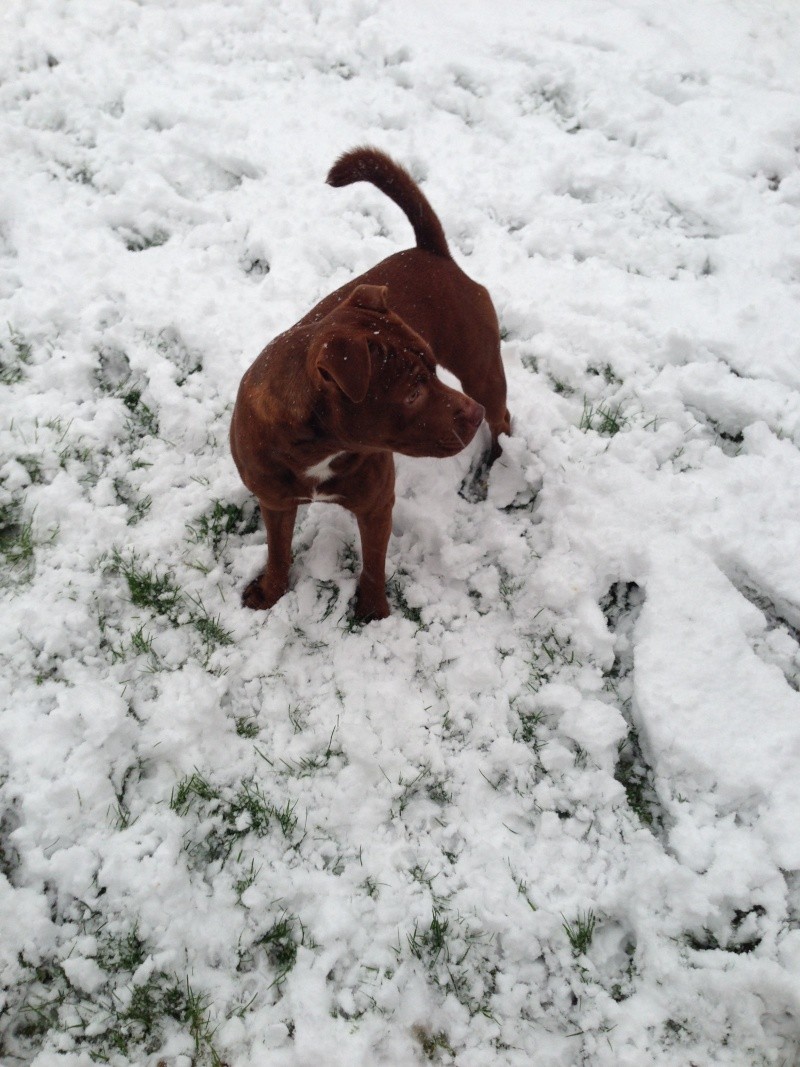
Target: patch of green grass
[(561, 388), (208, 626), (141, 642), (580, 932), (231, 813), (297, 717), (247, 728), (308, 765), (581, 757), (330, 590), (32, 465), (431, 942), (530, 722), (142, 420), (149, 589), (119, 1018), (159, 594), (508, 586), (74, 451), (442, 946), (437, 791), (247, 879), (15, 355), (432, 1044), (522, 888), (220, 521), (16, 535), (121, 811), (9, 858), (192, 788), (137, 508), (113, 377), (370, 887), (604, 419), (121, 952), (635, 777), (280, 945), (549, 654), (119, 816), (394, 589), (160, 998), (607, 372), (421, 875), (420, 784), (530, 363), (18, 543), (626, 986), (636, 789), (675, 1028)]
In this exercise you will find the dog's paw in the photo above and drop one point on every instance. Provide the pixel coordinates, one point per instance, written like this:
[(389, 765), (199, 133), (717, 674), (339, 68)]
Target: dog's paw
[(475, 486), (370, 608), (258, 598)]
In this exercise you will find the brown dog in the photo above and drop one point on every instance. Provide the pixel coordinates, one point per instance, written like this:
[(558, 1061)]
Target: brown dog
[(322, 409)]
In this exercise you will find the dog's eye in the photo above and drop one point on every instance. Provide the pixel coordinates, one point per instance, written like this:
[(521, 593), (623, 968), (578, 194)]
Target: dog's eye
[(415, 393)]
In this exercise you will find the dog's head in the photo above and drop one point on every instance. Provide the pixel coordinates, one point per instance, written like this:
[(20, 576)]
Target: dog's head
[(378, 378)]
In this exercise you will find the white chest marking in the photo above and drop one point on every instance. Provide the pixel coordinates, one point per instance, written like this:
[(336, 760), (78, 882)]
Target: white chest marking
[(321, 471), (319, 474)]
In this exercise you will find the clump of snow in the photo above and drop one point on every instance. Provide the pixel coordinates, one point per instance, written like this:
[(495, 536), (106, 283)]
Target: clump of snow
[(547, 812)]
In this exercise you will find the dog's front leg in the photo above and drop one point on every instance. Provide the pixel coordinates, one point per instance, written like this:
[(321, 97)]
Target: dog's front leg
[(272, 583), (374, 527)]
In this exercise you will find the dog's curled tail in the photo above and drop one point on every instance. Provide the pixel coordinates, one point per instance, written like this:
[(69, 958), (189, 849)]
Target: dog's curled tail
[(371, 165)]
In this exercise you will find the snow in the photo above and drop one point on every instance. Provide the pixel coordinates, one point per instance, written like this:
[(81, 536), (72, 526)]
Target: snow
[(379, 845)]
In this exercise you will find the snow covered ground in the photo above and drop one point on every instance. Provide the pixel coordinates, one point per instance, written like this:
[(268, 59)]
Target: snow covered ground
[(548, 813)]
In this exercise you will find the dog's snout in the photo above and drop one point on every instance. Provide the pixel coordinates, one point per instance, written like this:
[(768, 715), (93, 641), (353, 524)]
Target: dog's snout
[(472, 414)]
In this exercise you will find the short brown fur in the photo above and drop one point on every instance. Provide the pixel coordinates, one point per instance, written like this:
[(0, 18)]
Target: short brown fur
[(324, 406)]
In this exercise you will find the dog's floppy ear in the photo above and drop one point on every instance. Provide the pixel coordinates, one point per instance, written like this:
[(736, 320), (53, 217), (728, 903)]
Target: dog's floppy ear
[(345, 361), (369, 297)]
